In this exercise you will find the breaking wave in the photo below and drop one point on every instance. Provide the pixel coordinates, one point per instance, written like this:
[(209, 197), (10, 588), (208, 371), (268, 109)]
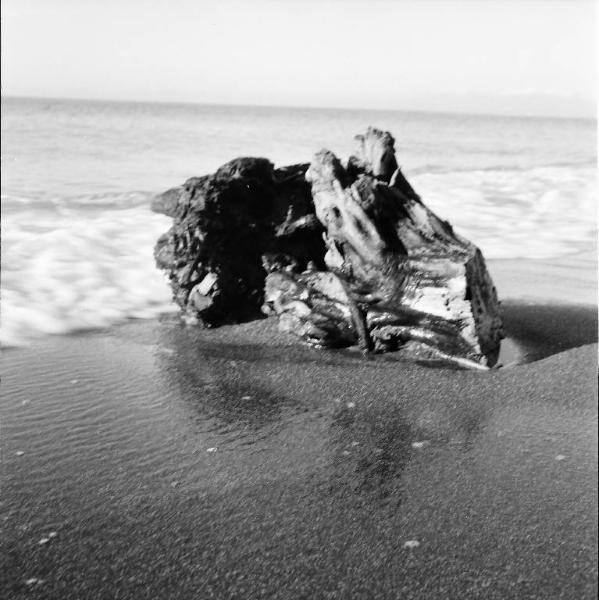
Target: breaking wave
[(81, 264)]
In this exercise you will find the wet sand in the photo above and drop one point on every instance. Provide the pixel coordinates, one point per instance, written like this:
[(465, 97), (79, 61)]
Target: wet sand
[(569, 280), (235, 463)]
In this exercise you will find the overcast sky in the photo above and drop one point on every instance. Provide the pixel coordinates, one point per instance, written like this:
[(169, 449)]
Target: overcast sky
[(522, 56)]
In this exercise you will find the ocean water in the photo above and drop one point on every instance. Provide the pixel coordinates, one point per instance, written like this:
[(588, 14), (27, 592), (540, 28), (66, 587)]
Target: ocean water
[(78, 177)]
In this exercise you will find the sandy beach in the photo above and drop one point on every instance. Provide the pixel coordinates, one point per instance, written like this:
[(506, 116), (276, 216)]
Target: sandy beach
[(155, 461)]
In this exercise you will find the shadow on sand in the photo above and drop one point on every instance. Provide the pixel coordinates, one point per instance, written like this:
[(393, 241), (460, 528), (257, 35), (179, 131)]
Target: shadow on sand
[(536, 331)]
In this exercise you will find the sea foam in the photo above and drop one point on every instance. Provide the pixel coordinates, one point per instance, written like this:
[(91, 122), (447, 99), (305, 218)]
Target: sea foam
[(66, 269), (542, 212)]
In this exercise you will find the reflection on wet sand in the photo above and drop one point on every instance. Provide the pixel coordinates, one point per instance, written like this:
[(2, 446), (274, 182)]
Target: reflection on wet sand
[(226, 390), (372, 443)]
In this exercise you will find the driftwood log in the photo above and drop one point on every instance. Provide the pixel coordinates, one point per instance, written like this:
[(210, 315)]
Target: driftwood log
[(229, 230), (343, 255)]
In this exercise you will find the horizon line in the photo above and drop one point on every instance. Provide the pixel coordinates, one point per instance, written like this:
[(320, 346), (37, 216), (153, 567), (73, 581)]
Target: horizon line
[(448, 112)]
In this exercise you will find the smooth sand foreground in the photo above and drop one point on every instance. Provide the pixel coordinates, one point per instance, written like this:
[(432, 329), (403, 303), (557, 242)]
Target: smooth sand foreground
[(235, 463)]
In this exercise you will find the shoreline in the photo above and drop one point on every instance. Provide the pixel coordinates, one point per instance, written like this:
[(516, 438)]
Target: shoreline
[(528, 338), (569, 281)]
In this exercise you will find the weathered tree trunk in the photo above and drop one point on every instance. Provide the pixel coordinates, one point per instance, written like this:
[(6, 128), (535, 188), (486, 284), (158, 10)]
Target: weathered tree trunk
[(342, 255), (229, 230), (407, 281)]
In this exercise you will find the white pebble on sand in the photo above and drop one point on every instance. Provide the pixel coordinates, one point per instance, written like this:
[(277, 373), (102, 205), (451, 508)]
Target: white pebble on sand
[(419, 445), (74, 381), (560, 457), (19, 453), (52, 534), (43, 541), (411, 544), (351, 405), (34, 581), (246, 397), (211, 449)]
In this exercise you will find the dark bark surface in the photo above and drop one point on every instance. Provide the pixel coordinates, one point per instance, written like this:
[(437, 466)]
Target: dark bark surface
[(229, 230)]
